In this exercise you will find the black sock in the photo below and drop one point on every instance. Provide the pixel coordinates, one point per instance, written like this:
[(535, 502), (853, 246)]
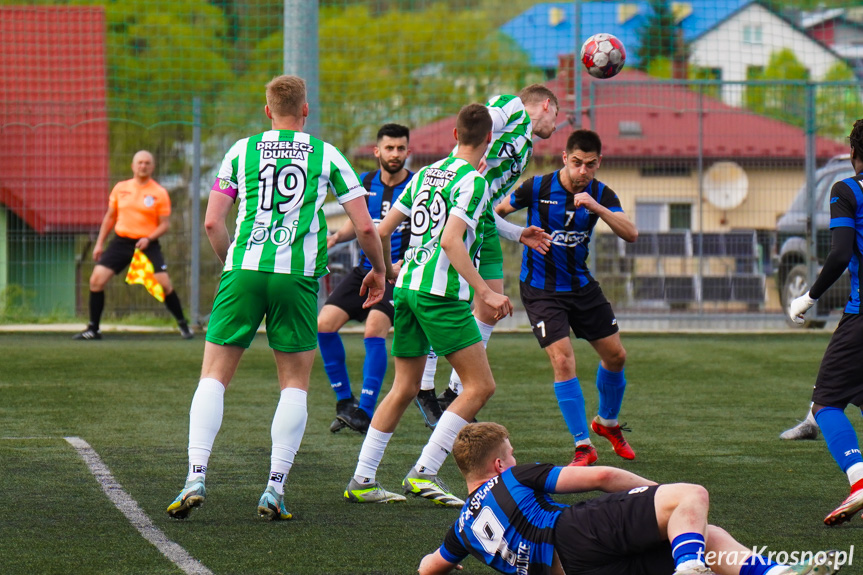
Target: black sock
[(97, 304), (172, 302)]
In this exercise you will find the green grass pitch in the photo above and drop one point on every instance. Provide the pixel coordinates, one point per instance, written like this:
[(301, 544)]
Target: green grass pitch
[(703, 408)]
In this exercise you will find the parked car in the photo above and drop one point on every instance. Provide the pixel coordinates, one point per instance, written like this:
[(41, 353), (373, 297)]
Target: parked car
[(792, 279)]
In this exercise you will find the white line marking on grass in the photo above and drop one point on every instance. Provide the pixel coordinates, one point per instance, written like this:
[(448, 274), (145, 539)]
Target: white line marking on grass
[(136, 516)]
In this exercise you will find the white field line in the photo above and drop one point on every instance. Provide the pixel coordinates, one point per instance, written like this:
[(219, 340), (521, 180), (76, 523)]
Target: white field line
[(136, 516)]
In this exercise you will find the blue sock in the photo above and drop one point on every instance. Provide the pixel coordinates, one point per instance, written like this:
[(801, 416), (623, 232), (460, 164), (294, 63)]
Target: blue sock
[(757, 565), (611, 385), (571, 402), (687, 547), (840, 436), (374, 369), (333, 354)]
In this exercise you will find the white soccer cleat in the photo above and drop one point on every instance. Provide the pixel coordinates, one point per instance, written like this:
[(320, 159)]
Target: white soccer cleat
[(370, 493), (803, 430)]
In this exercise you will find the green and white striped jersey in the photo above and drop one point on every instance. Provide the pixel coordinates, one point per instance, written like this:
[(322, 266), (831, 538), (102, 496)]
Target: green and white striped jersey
[(281, 178), (511, 145), (449, 187)]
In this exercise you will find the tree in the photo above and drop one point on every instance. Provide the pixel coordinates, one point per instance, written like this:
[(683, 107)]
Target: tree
[(839, 105), (410, 67), (785, 101), (658, 35)]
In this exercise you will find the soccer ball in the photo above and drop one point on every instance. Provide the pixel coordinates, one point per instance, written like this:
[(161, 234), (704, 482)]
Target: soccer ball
[(603, 55)]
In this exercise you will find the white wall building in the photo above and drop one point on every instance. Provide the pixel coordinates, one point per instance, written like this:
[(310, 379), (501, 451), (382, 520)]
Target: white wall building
[(739, 48)]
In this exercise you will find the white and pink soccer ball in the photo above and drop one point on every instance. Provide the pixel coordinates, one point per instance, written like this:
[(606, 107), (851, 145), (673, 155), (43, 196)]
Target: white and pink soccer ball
[(603, 55)]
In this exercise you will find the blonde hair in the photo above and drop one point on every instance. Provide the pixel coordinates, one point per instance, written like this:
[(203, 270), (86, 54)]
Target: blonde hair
[(286, 95), (476, 443), (537, 93)]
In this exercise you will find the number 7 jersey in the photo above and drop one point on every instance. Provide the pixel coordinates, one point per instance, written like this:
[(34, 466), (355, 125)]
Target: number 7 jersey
[(281, 179)]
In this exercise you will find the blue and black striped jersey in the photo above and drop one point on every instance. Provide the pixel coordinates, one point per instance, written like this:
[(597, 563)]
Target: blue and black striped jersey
[(508, 523), (381, 197), (846, 210), (551, 207)]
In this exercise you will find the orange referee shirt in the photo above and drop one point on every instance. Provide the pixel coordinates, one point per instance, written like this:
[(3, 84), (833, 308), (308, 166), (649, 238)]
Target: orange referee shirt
[(138, 207)]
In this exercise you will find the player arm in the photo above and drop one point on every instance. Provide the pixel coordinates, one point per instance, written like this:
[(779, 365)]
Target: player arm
[(452, 243), (367, 234), (435, 564), (388, 225), (345, 233), (841, 250), (843, 207), (609, 211), (504, 209), (599, 478), (218, 207)]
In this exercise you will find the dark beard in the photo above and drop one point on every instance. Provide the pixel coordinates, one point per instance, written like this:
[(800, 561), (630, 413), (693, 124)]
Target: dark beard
[(390, 170)]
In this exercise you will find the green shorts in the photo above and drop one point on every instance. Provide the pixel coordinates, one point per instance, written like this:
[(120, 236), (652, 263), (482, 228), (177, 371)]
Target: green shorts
[(245, 297), (490, 255), (423, 320)]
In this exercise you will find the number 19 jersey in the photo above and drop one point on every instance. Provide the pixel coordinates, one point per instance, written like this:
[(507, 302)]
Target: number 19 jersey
[(449, 187), (281, 178)]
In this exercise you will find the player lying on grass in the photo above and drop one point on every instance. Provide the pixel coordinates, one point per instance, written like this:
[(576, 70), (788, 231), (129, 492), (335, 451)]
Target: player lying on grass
[(638, 528)]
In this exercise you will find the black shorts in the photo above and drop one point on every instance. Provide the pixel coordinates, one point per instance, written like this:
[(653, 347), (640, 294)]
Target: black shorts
[(614, 534), (119, 254), (840, 378), (347, 296), (552, 313)]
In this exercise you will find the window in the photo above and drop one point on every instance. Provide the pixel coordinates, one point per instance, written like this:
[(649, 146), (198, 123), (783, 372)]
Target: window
[(665, 171), (754, 72), (663, 216), (752, 34), (679, 217)]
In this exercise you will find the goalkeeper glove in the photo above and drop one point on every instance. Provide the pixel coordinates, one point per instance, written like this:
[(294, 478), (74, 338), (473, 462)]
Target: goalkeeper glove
[(799, 307)]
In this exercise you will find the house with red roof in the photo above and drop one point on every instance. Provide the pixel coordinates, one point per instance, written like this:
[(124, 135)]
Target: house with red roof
[(660, 141), (54, 178), (682, 162)]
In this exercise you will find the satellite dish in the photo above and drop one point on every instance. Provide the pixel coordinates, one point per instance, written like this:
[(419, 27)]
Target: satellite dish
[(725, 185)]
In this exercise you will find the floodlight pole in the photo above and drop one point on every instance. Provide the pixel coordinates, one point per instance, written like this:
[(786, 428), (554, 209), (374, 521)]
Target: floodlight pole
[(576, 68), (195, 189), (301, 53)]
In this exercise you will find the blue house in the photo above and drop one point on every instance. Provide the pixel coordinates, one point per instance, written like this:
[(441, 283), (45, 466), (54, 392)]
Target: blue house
[(547, 31)]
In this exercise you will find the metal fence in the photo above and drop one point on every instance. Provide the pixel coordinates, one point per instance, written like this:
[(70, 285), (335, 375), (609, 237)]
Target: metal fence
[(727, 180)]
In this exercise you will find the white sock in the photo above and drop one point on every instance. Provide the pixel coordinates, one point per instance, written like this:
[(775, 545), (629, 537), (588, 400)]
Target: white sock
[(583, 442), (607, 422), (289, 425), (485, 331), (855, 473), (427, 382), (440, 443), (371, 454), (205, 420), (809, 417)]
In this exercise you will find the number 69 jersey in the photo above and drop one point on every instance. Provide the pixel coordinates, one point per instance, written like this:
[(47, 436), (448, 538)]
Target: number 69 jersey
[(281, 178), (449, 187)]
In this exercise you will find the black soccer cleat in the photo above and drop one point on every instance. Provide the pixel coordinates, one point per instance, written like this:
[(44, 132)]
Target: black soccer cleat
[(429, 407), (185, 330), (358, 420), (343, 407), (88, 334), (446, 397)]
